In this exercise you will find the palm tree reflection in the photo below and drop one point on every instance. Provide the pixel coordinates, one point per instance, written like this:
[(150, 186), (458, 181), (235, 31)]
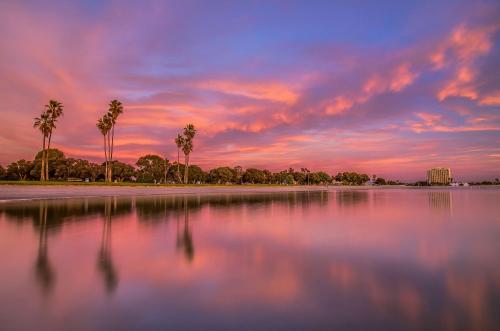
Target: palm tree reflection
[(184, 242), (104, 260), (43, 270)]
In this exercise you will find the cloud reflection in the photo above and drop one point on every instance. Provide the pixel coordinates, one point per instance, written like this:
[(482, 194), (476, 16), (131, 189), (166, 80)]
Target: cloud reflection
[(303, 259)]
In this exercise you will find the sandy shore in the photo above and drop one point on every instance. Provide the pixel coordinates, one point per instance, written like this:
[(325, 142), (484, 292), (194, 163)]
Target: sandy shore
[(32, 192), (25, 192)]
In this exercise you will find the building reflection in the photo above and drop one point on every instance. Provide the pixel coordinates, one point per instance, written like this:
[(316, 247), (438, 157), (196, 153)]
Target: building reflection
[(44, 272), (440, 202), (104, 259)]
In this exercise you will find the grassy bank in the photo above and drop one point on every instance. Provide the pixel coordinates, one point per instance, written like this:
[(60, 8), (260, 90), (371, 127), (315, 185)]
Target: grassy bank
[(61, 183)]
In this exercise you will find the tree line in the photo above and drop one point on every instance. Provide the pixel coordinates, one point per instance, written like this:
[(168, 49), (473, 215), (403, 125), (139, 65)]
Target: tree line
[(51, 163), (153, 168)]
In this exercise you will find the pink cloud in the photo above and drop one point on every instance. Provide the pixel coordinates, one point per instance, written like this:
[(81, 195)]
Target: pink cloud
[(435, 123), (325, 109), (490, 100), (275, 92), (463, 48)]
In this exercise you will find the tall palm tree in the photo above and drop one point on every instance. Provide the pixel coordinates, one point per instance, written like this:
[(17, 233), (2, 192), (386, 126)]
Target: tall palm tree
[(44, 123), (187, 148), (55, 109), (179, 141), (104, 126), (115, 109)]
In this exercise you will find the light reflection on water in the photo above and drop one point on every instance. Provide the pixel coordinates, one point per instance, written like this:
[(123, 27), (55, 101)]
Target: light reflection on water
[(361, 259)]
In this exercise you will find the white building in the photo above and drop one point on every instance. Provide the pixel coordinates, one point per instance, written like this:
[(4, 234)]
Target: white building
[(440, 176)]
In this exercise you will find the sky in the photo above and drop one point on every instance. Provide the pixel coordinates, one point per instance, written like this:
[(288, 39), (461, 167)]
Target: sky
[(390, 88)]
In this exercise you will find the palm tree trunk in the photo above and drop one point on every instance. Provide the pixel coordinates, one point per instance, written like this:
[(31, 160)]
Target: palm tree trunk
[(178, 160), (110, 176), (42, 173), (112, 140), (111, 152), (47, 158), (165, 177), (186, 167), (105, 159)]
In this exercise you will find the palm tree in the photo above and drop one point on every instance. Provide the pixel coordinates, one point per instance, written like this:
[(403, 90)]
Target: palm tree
[(54, 109), (187, 148), (44, 123), (115, 109), (104, 125), (179, 141)]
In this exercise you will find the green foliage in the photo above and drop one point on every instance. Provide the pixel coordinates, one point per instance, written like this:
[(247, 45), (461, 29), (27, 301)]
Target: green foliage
[(380, 181), (221, 175), (3, 173), (95, 170), (115, 109), (54, 109), (238, 175), (254, 176), (319, 178), (151, 168), (55, 157), (352, 178), (19, 170), (187, 147), (289, 179), (71, 168), (122, 171), (53, 154), (281, 177), (299, 177), (196, 175)]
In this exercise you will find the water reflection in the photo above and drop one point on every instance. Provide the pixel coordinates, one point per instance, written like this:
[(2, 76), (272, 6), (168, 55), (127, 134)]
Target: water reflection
[(164, 208), (369, 259), (440, 202), (104, 259), (60, 212), (352, 198), (44, 272), (184, 241)]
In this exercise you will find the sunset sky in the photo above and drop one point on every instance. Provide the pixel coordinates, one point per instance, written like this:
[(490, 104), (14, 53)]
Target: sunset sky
[(383, 87)]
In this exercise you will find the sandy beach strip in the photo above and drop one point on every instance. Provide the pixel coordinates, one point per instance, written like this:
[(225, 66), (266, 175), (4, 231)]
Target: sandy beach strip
[(10, 192), (31, 192)]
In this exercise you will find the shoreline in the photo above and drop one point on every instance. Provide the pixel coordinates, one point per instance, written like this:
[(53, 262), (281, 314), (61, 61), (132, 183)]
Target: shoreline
[(23, 192), (10, 193)]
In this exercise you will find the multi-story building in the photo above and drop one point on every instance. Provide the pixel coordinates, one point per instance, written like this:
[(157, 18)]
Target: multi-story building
[(441, 176)]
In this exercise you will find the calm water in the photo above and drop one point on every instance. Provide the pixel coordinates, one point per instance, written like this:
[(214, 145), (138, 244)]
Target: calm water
[(376, 259)]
